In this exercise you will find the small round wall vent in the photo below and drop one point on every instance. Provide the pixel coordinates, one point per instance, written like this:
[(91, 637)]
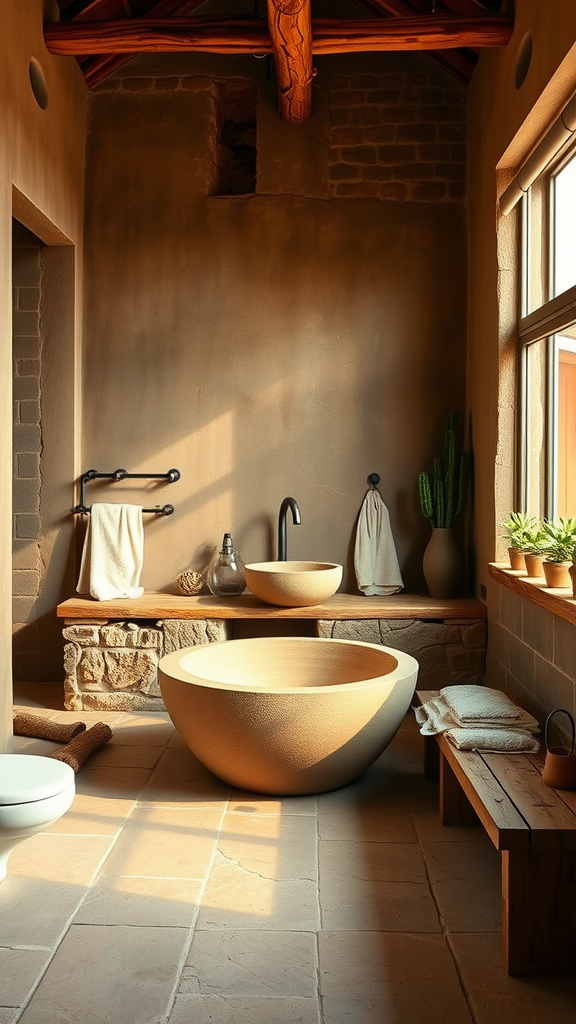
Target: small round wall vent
[(523, 60), (38, 83)]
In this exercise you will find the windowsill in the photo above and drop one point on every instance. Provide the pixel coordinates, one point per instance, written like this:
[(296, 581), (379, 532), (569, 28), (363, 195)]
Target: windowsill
[(558, 601)]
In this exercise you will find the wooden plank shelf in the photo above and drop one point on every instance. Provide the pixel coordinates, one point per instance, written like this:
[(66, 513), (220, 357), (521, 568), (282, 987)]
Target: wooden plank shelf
[(157, 605)]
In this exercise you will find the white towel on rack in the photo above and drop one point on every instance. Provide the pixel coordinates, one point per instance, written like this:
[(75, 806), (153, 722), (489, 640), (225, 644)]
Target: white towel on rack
[(375, 558), (113, 552)]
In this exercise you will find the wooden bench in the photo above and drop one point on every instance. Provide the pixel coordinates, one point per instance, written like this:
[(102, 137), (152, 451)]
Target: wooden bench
[(534, 829)]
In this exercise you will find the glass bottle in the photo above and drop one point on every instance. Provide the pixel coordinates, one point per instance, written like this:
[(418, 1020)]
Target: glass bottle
[(226, 571)]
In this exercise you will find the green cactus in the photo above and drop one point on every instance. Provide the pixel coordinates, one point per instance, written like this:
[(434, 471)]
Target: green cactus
[(442, 494)]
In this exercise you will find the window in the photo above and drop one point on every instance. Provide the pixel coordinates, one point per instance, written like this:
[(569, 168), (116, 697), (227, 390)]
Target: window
[(547, 337)]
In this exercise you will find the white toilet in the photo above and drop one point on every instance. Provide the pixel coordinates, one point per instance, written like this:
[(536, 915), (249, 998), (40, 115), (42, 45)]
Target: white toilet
[(34, 792)]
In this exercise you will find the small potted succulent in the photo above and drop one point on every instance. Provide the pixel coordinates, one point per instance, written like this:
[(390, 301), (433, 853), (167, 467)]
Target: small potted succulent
[(559, 554), (527, 542)]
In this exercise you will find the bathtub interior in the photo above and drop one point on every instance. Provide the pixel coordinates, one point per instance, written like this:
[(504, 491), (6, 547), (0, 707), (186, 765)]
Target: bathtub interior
[(273, 663)]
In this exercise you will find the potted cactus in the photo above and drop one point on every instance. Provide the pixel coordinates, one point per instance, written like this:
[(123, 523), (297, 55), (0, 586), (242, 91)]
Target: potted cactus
[(441, 499), (561, 539), (527, 542)]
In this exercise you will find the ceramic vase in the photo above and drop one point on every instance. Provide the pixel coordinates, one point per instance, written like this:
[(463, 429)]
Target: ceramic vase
[(534, 565), (557, 574), (517, 560), (442, 563)]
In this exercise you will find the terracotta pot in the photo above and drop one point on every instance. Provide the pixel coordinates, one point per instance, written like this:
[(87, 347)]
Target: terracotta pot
[(443, 563), (516, 559), (560, 762), (534, 565), (557, 574)]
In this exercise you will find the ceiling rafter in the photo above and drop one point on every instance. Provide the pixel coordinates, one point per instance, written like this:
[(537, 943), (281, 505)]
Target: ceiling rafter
[(458, 63), (97, 68)]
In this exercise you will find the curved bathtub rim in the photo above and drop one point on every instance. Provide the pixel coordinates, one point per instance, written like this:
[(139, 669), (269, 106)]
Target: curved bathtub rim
[(171, 665)]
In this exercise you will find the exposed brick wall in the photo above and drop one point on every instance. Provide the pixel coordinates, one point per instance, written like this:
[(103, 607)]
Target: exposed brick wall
[(398, 136), (27, 446)]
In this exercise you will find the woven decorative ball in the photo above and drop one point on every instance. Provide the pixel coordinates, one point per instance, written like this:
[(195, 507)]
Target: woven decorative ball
[(190, 582)]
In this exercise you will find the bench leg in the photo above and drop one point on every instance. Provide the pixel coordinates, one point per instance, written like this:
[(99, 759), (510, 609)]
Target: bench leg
[(455, 808), (431, 759), (539, 912)]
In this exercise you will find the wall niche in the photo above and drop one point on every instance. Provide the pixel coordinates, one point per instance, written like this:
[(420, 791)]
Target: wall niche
[(236, 137)]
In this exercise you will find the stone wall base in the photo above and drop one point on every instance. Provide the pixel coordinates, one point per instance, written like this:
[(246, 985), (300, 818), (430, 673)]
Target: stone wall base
[(113, 666)]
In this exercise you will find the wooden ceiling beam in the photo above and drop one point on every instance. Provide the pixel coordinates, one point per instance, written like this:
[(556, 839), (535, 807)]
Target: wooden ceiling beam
[(290, 28), (250, 35), (151, 35), (436, 32)]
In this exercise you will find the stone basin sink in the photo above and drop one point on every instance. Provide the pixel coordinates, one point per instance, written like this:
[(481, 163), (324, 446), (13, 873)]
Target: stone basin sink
[(293, 584)]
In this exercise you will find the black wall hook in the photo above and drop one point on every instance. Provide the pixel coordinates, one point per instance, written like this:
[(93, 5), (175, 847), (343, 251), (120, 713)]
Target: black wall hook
[(374, 479)]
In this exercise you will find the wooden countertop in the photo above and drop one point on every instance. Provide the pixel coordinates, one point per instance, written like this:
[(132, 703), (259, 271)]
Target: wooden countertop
[(156, 605)]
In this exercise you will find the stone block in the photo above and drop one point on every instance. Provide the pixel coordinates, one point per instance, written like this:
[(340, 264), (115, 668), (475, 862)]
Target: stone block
[(116, 635), (474, 635), (91, 669), (148, 637), (24, 322), (27, 437), (73, 701), (130, 669), (29, 411), (25, 582), (71, 657), (23, 608), (26, 388), (26, 496), (28, 465), (82, 634), (179, 633), (119, 701), (29, 298), (27, 347)]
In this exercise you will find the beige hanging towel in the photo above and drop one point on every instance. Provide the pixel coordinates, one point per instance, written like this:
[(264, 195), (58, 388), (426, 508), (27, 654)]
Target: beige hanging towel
[(375, 558), (113, 552)]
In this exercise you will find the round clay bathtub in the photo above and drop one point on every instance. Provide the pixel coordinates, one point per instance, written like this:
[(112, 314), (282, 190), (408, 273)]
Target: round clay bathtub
[(287, 715)]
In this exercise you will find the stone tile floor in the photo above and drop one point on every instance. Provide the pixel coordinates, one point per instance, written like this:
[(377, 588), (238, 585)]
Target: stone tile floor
[(164, 896)]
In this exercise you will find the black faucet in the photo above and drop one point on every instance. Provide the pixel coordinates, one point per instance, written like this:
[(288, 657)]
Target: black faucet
[(286, 504)]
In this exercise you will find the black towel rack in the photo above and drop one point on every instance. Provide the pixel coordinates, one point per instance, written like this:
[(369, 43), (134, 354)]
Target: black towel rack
[(122, 474)]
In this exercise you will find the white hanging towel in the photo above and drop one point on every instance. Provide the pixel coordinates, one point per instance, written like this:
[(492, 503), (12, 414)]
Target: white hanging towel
[(375, 558), (113, 552)]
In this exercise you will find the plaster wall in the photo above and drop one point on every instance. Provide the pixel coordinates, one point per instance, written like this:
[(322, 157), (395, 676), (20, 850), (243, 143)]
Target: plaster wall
[(278, 343), (41, 183)]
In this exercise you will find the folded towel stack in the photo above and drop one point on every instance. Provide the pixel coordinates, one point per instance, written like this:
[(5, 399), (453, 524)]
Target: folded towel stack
[(478, 718)]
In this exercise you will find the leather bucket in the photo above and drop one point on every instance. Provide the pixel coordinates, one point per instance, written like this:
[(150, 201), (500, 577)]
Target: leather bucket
[(560, 762)]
